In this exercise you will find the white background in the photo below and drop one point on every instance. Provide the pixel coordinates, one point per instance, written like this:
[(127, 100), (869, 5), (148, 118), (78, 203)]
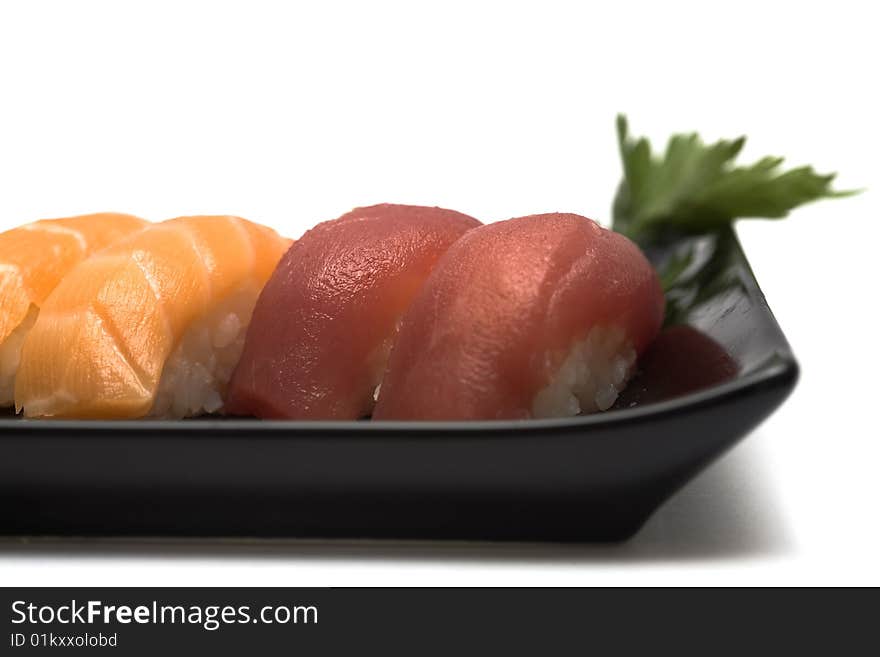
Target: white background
[(291, 113)]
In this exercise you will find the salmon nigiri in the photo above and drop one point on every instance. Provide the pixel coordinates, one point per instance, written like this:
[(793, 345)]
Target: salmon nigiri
[(326, 320), (33, 260), (538, 316), (152, 325)]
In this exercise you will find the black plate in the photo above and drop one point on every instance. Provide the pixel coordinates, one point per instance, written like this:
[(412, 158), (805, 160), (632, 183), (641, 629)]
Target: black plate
[(720, 367)]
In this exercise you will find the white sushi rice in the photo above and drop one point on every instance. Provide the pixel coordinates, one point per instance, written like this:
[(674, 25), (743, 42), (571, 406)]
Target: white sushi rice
[(196, 374), (590, 377), (10, 356)]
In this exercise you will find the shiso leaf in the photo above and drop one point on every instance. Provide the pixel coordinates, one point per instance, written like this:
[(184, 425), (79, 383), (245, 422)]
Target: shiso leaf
[(696, 187)]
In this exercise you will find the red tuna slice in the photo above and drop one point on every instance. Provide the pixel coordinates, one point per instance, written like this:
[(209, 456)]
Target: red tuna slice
[(532, 317), (322, 329)]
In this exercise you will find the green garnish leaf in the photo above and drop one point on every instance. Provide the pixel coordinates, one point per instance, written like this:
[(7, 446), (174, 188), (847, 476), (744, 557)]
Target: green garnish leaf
[(696, 187)]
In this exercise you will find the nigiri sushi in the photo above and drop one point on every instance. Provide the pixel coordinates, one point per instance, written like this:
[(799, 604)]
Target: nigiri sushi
[(533, 317), (33, 260), (325, 322), (152, 325)]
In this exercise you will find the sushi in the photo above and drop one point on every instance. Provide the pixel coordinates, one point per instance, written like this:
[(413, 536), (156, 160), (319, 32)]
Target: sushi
[(150, 326), (534, 317), (33, 260), (325, 323)]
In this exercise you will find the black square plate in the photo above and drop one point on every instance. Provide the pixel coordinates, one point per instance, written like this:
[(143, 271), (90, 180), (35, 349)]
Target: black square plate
[(721, 366)]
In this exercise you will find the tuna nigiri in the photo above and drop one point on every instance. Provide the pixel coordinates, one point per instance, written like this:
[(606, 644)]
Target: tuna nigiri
[(33, 260), (151, 325), (533, 317), (325, 322)]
